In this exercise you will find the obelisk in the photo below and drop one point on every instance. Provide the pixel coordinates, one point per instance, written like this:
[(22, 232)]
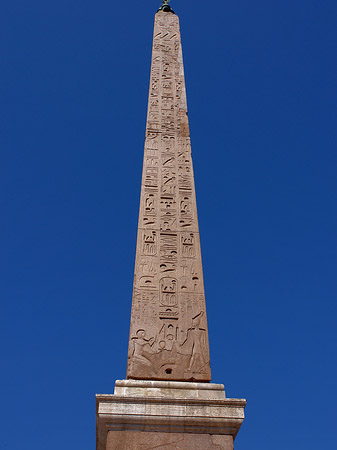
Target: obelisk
[(167, 401), (168, 332)]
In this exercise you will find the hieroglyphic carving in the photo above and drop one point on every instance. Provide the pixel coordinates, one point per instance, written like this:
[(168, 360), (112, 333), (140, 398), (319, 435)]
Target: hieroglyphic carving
[(184, 178), (167, 205), (151, 145), (185, 206), (168, 143), (154, 117), (147, 282), (185, 211), (144, 306), (168, 160), (149, 204), (168, 176), (169, 189), (148, 266), (168, 252), (151, 176), (166, 265), (188, 244), (184, 170), (168, 336), (168, 299), (149, 242), (167, 103), (183, 157), (149, 221), (151, 161), (165, 34), (168, 292), (169, 246), (168, 223), (167, 115), (190, 280)]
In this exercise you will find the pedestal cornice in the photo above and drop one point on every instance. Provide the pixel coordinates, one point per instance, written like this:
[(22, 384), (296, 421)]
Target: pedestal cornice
[(168, 407)]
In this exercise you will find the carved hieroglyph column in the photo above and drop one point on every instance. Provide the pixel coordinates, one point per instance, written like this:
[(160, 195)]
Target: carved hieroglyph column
[(168, 334)]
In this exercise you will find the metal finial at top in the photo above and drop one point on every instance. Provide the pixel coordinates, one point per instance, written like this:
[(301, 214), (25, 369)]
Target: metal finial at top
[(166, 7)]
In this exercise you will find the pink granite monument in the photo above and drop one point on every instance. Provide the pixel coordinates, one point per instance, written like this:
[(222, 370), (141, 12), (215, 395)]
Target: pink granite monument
[(168, 332), (167, 400)]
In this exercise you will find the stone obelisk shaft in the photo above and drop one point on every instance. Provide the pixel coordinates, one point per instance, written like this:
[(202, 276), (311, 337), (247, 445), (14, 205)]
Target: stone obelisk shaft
[(168, 333)]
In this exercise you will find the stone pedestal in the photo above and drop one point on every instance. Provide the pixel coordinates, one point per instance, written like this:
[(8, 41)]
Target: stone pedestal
[(143, 415)]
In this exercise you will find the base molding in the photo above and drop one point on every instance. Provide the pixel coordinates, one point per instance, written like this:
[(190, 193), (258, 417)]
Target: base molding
[(121, 440), (141, 411)]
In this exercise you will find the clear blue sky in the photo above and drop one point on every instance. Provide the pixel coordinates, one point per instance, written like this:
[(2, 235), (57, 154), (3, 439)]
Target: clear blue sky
[(261, 84)]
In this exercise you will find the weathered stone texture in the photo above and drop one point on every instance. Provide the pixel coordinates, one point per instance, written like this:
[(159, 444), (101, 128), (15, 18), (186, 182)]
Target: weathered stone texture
[(136, 440), (145, 414), (168, 333)]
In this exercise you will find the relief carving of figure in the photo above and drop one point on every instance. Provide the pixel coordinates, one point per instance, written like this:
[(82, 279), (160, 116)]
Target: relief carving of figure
[(197, 345), (141, 345)]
